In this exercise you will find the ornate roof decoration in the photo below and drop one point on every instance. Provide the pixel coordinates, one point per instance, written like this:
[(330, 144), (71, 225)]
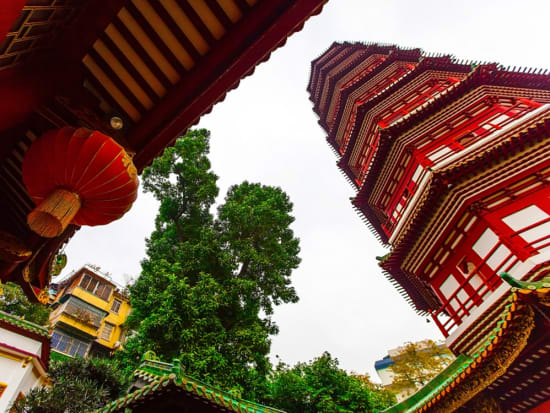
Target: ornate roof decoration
[(467, 376), (165, 377), (23, 324)]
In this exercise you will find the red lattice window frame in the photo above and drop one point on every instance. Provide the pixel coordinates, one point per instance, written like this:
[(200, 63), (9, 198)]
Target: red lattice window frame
[(451, 134), (472, 124), (512, 239)]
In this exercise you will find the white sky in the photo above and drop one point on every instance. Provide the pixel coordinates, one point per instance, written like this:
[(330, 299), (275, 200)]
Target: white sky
[(265, 131)]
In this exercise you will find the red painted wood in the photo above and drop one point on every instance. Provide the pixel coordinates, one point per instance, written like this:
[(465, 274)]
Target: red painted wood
[(9, 11), (24, 89)]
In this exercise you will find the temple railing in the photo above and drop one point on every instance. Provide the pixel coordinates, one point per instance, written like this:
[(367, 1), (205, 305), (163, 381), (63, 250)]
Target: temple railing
[(454, 309)]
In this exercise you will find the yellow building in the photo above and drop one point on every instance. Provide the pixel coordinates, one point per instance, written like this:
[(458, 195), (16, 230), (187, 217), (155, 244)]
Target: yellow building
[(88, 314)]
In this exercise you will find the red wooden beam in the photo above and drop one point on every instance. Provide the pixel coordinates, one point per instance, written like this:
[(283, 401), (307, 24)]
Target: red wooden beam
[(9, 11)]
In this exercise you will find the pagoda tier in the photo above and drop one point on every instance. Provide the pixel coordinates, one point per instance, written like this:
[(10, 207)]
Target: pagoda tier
[(138, 71), (451, 163)]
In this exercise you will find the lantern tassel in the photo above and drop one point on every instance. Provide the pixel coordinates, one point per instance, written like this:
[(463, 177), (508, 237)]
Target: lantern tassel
[(50, 218)]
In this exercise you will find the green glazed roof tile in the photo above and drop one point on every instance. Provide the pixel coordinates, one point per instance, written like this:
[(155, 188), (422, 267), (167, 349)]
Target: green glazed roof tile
[(24, 324)]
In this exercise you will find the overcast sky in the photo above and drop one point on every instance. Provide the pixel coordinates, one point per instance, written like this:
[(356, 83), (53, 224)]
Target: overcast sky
[(265, 131)]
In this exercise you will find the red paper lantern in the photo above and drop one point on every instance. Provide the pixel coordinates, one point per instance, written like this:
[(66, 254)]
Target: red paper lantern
[(77, 176)]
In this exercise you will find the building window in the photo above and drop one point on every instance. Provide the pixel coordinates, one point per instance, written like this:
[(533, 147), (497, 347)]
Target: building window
[(68, 345), (103, 291), (107, 331), (115, 308), (96, 287)]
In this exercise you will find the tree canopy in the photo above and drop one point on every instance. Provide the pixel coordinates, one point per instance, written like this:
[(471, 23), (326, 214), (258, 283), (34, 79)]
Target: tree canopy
[(14, 301), (321, 386), (78, 385), (418, 363), (209, 283)]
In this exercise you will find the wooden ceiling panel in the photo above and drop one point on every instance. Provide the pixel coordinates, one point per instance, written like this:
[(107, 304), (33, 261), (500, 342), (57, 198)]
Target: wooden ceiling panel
[(208, 17), (231, 10), (165, 35), (132, 56), (186, 26), (109, 86), (150, 47), (120, 70)]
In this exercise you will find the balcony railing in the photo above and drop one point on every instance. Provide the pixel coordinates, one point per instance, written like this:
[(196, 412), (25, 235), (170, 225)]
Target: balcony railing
[(454, 310), (81, 313)]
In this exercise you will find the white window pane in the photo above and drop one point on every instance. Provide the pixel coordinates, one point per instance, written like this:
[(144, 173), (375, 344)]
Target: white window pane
[(449, 286), (533, 234), (417, 173), (500, 119), (485, 243), (498, 257), (525, 217), (439, 153)]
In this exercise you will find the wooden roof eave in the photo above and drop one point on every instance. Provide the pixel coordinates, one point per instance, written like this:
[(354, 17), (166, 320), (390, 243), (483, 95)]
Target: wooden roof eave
[(369, 50), (486, 74), (346, 50), (314, 70), (396, 55), (443, 63), (455, 386), (336, 76), (232, 59)]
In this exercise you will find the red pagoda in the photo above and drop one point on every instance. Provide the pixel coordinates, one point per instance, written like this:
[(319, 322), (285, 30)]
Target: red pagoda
[(92, 91), (451, 164)]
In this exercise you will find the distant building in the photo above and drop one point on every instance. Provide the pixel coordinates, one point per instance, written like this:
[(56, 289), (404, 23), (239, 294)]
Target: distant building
[(88, 316), (24, 358), (384, 370)]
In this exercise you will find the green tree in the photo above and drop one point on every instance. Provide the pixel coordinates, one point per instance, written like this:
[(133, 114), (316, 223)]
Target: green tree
[(321, 386), (417, 364), (78, 385), (14, 301), (209, 284)]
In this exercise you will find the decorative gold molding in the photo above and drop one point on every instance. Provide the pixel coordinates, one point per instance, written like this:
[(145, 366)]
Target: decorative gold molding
[(512, 344), (26, 361), (10, 356)]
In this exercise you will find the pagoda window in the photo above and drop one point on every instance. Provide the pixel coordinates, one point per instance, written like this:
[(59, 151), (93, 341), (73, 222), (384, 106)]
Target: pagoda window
[(532, 224), (523, 223), (362, 165), (469, 264), (478, 121), (405, 183), (428, 90)]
